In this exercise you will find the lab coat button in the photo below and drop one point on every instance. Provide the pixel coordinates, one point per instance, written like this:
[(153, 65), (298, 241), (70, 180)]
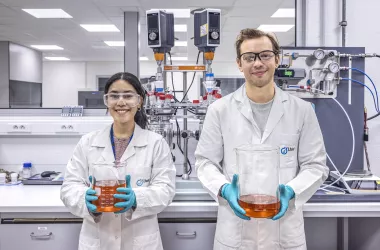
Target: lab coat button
[(116, 215), (116, 237)]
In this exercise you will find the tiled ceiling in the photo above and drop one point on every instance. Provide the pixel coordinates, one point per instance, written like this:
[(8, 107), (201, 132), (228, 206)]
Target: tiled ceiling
[(79, 45)]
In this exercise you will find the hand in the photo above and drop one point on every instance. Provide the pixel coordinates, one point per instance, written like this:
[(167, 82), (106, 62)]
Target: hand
[(230, 192), (286, 194), (90, 196), (128, 195)]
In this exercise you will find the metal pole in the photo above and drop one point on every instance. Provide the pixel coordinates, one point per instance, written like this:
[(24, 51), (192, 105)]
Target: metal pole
[(344, 23), (164, 74), (185, 176)]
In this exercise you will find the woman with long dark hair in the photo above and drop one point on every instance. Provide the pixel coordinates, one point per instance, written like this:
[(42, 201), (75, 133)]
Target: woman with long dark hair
[(150, 182)]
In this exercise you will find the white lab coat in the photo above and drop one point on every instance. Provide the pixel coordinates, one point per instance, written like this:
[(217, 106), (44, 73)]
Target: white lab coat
[(292, 122), (148, 158)]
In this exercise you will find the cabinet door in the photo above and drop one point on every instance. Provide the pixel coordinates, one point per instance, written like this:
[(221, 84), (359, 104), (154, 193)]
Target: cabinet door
[(39, 236), (187, 236)]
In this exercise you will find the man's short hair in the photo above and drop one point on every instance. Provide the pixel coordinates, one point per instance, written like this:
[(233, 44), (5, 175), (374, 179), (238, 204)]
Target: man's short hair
[(248, 33)]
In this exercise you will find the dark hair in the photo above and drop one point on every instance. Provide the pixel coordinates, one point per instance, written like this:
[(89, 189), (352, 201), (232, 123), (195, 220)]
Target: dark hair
[(140, 118), (246, 34)]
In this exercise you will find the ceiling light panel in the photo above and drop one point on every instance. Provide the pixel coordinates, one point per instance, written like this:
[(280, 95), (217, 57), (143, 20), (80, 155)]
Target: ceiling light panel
[(284, 13), (100, 27), (46, 47), (57, 58), (275, 28), (114, 43), (180, 43), (180, 28), (47, 13)]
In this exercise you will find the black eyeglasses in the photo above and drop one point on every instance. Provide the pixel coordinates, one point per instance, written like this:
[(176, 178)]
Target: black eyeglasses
[(265, 55)]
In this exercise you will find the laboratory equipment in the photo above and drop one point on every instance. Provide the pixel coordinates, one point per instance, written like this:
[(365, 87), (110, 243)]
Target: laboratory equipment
[(258, 169), (3, 177), (163, 105), (27, 170), (14, 178), (106, 178)]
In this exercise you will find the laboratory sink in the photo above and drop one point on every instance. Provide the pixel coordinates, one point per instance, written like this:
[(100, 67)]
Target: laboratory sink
[(190, 190)]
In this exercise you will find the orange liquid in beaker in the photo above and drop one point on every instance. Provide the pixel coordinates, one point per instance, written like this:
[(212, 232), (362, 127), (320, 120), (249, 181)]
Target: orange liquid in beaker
[(105, 191), (259, 206)]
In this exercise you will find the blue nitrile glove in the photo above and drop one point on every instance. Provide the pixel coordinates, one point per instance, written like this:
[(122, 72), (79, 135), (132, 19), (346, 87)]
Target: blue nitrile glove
[(128, 195), (286, 194), (90, 196), (230, 192)]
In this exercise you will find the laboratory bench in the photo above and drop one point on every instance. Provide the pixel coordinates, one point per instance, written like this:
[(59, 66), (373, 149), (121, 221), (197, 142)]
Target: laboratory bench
[(33, 216)]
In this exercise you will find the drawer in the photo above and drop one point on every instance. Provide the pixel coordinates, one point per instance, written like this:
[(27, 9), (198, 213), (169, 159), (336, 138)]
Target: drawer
[(188, 235), (39, 236)]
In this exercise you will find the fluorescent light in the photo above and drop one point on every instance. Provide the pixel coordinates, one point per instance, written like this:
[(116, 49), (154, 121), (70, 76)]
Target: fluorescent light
[(144, 58), (275, 28), (100, 27), (180, 27), (46, 47), (47, 13), (115, 43), (179, 58), (179, 13), (284, 13), (180, 43), (57, 58)]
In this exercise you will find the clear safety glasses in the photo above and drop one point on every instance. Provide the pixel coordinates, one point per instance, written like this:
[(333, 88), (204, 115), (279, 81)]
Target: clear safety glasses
[(250, 57), (129, 99)]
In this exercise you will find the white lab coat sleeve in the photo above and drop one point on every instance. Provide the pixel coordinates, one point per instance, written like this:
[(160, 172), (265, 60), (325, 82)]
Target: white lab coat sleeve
[(74, 186), (311, 159), (154, 198), (210, 153)]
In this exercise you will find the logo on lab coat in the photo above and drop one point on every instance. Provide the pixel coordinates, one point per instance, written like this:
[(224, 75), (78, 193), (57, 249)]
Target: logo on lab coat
[(141, 182), (285, 150)]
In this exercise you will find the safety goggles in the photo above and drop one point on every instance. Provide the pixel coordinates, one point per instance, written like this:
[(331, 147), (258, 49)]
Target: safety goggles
[(129, 99), (250, 57)]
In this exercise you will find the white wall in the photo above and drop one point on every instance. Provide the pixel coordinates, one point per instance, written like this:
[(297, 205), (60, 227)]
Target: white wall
[(362, 31), (25, 64), (61, 82), (66, 78)]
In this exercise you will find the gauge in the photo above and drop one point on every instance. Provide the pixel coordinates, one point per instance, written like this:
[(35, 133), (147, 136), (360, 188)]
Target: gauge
[(319, 54), (152, 36), (334, 67), (215, 35)]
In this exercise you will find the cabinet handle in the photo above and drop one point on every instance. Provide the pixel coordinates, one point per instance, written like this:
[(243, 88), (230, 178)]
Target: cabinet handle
[(193, 234), (41, 237)]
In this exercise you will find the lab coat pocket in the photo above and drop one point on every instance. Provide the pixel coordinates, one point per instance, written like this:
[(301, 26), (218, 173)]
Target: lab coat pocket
[(288, 150), (292, 230), (288, 146), (229, 226), (148, 242), (141, 177), (87, 243)]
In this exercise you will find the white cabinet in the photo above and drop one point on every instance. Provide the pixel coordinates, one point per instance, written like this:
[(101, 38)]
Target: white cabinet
[(39, 236), (188, 235)]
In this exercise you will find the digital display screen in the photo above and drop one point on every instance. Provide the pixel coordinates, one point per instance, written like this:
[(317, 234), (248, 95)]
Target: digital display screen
[(153, 21), (285, 73), (214, 19)]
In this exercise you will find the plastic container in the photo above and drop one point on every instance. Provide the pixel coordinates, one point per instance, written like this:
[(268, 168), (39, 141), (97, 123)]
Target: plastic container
[(14, 178), (106, 178), (27, 170), (2, 178), (258, 169)]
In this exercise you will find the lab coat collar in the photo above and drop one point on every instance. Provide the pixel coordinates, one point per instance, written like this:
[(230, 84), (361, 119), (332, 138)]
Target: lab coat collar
[(277, 110), (102, 140)]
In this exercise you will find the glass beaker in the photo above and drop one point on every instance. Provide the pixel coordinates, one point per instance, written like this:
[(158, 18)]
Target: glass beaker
[(106, 178), (258, 169)]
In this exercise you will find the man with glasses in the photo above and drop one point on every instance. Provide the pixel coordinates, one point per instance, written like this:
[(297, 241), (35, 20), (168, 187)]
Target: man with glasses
[(261, 113)]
